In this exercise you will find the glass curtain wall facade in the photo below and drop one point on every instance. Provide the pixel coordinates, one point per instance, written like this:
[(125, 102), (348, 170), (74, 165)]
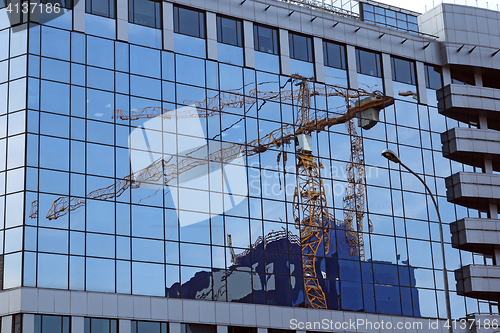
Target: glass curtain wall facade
[(112, 179)]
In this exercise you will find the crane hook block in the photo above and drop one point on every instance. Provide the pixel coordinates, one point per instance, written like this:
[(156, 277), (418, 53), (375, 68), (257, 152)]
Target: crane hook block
[(303, 143), (369, 117)]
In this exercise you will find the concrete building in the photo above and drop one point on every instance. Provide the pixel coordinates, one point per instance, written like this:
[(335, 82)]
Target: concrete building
[(215, 166)]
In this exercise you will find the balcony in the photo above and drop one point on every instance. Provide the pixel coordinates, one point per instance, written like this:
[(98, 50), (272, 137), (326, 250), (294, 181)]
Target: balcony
[(479, 281), (466, 103), (473, 190), (476, 235), (471, 146)]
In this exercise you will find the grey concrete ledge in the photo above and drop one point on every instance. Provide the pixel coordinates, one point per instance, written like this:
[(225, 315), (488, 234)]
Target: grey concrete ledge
[(479, 281), (476, 235), (471, 146), (473, 190), (467, 103), (129, 307)]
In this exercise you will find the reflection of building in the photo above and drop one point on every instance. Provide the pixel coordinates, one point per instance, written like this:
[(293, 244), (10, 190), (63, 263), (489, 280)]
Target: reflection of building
[(248, 280), (84, 244)]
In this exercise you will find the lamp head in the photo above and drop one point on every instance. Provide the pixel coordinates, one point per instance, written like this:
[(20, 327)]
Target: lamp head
[(391, 156)]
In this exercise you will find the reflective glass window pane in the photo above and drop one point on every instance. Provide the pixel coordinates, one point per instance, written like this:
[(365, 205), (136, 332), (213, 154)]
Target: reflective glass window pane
[(189, 22), (334, 55), (433, 77), (100, 52), (104, 8), (56, 43), (100, 275), (300, 47), (52, 271), (148, 279), (100, 245), (265, 39), (145, 12), (229, 31), (145, 61), (368, 63), (55, 97), (147, 250), (403, 70)]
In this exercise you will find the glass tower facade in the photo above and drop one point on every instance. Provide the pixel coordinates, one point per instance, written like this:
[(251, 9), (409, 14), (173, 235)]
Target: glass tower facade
[(130, 169)]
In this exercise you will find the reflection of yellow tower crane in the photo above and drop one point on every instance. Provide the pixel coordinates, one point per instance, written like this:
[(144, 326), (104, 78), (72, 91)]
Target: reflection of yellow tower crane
[(310, 207)]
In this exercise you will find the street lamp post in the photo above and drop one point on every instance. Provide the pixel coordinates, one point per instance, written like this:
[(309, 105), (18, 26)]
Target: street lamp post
[(391, 156)]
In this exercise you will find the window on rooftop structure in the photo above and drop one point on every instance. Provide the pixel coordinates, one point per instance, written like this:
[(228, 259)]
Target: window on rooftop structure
[(145, 12), (189, 22), (491, 78), (433, 77), (462, 75), (403, 70), (104, 8), (379, 10), (229, 31), (391, 22), (368, 63), (367, 8), (402, 25), (334, 55), (300, 47), (265, 39), (380, 19)]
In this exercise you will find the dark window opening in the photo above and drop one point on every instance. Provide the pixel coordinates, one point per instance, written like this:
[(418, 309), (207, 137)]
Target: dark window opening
[(463, 75), (433, 77), (148, 327), (369, 63), (52, 324), (104, 8), (229, 31), (95, 325), (403, 71), (300, 47), (334, 55), (265, 39), (145, 12), (17, 323), (198, 328), (491, 79), (189, 22)]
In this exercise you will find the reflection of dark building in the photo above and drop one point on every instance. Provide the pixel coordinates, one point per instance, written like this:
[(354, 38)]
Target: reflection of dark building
[(260, 277)]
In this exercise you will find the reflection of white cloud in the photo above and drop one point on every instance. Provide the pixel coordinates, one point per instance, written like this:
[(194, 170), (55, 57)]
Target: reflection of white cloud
[(198, 163)]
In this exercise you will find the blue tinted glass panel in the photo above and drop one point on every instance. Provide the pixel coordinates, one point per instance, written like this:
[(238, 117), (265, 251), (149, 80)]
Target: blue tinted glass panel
[(56, 43), (100, 52)]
